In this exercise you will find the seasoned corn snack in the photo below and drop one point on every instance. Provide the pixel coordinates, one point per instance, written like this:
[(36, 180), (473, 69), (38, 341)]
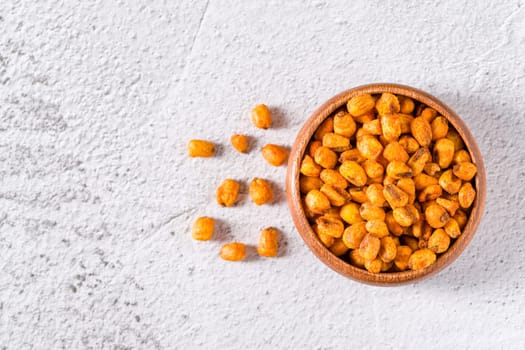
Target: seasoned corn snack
[(387, 183)]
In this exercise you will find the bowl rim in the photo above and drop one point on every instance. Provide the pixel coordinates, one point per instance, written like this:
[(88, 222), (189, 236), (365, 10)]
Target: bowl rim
[(294, 196)]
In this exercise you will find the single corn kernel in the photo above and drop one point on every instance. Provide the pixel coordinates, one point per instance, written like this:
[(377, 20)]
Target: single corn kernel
[(406, 104), (392, 225), (383, 140), (372, 127), (411, 242), (356, 258), (406, 216), (439, 128), (391, 127), (201, 148), (466, 195), (369, 146), (314, 145), (325, 157), (338, 248), (361, 104), (430, 193), (227, 193), (260, 191), (408, 186), (377, 227), (336, 142), (233, 251), (309, 167), (449, 182), (422, 181), (465, 170), (428, 114), (421, 259), (374, 192), (405, 120), (370, 212), (308, 183), (444, 152), (334, 178), (369, 247), (419, 159), (439, 241), (327, 240), (275, 155), (436, 216), (395, 152), (358, 194), (372, 168), (387, 104), (452, 228), (409, 144), (354, 173), (461, 218), (461, 156), (353, 235), (268, 242), (261, 117), (351, 154), (373, 266), (317, 202), (421, 131), (398, 170), (330, 226), (395, 196), (203, 228), (402, 256), (388, 250), (455, 137), (239, 142), (327, 126), (418, 226), (336, 196), (350, 213), (344, 125), (450, 205), (432, 169)]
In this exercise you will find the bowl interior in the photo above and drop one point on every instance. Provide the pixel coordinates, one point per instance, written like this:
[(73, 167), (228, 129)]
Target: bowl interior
[(307, 233)]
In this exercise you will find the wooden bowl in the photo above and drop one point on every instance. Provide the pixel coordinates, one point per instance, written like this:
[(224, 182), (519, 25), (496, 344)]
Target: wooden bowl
[(307, 233)]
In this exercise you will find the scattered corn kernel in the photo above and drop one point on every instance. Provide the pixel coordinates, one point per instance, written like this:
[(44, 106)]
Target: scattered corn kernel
[(260, 191), (274, 154), (200, 148), (227, 193), (268, 242), (261, 117), (202, 229), (239, 142), (233, 251)]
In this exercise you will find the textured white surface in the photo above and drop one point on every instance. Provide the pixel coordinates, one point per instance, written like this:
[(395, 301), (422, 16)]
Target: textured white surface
[(97, 196)]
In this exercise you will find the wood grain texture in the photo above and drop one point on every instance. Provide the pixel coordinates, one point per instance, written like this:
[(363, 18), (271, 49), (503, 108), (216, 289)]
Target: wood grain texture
[(303, 226)]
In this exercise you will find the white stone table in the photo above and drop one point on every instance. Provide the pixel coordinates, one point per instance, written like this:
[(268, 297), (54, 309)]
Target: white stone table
[(97, 196)]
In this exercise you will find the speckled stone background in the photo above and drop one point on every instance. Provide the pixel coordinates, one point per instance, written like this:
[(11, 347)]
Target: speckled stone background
[(97, 196)]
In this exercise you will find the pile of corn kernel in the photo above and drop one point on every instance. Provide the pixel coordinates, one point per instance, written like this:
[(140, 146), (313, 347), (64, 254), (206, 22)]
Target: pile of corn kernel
[(259, 189), (386, 183)]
